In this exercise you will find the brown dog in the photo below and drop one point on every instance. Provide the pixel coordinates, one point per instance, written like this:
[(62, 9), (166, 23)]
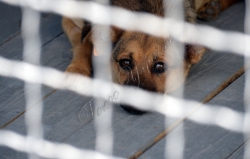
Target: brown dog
[(138, 59)]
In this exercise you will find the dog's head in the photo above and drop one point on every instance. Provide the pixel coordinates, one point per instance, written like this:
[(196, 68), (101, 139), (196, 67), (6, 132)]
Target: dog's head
[(152, 63), (148, 62)]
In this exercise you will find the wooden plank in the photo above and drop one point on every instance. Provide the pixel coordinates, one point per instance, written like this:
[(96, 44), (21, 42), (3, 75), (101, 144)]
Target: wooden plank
[(50, 29), (12, 89), (14, 154), (12, 99), (56, 55), (212, 141), (239, 153), (10, 18), (61, 120), (198, 81), (61, 109), (208, 141)]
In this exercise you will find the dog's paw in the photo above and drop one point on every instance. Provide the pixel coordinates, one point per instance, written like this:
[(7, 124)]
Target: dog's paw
[(209, 11), (74, 69), (72, 31)]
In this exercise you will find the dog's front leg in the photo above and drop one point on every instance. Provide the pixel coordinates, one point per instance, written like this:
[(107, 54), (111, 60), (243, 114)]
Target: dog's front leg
[(82, 50)]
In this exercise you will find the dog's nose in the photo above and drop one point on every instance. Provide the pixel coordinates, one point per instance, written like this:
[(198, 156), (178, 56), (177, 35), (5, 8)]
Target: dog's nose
[(132, 110)]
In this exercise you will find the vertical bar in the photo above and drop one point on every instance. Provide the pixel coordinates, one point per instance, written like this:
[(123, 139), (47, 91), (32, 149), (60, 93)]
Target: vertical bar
[(174, 9), (247, 85), (101, 68), (31, 54)]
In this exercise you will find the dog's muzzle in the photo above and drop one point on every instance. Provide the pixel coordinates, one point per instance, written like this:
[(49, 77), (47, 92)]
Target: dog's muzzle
[(142, 84)]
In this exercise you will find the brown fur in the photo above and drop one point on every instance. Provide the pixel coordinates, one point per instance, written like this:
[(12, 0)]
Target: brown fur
[(210, 9), (142, 50)]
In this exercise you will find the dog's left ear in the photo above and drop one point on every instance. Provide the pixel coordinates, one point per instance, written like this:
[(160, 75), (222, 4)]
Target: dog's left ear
[(194, 53), (116, 33)]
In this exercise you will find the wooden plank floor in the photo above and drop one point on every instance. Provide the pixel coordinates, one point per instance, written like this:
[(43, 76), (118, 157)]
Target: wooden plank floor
[(209, 141), (64, 120)]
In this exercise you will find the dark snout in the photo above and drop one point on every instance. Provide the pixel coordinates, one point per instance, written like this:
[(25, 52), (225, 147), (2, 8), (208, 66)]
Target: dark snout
[(144, 84), (132, 110)]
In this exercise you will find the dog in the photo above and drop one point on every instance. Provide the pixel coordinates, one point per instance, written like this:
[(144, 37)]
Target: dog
[(137, 59)]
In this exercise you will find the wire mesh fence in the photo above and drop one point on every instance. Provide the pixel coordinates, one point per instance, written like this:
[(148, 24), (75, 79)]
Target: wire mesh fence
[(34, 75)]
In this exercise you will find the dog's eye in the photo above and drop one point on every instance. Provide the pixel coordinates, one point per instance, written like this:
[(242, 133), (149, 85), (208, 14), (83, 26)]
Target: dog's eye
[(159, 67), (126, 64)]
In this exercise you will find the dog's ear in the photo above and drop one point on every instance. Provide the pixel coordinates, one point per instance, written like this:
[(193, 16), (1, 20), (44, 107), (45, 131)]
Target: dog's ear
[(86, 29), (115, 34), (194, 53)]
